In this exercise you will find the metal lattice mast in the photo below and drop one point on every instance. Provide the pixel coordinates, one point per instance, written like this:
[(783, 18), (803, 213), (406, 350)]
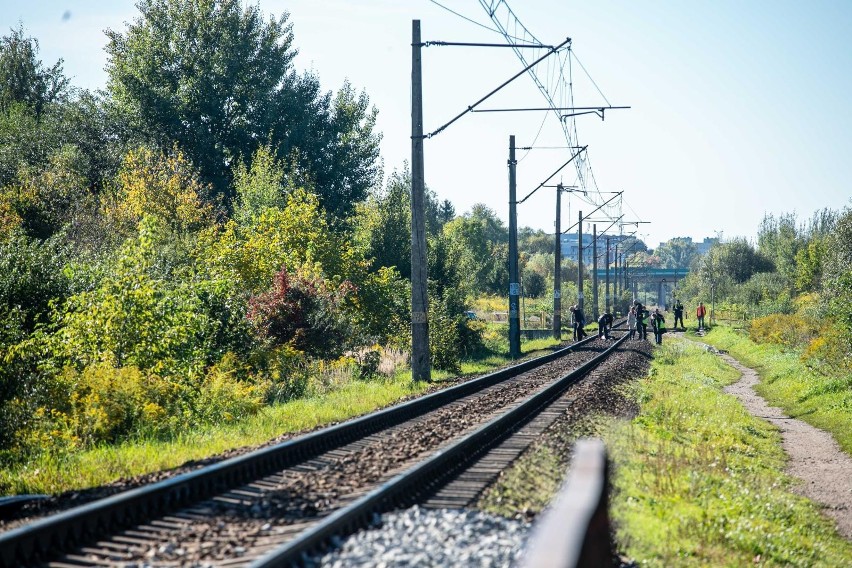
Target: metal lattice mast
[(556, 89)]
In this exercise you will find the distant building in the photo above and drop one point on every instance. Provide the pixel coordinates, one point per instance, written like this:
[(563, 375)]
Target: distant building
[(702, 247)]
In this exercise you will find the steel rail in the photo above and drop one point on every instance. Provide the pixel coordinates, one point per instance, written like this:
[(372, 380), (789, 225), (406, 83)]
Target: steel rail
[(424, 477), (61, 532)]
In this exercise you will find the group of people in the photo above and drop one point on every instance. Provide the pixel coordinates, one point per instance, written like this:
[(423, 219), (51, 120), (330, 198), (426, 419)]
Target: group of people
[(700, 312), (578, 322), (638, 320)]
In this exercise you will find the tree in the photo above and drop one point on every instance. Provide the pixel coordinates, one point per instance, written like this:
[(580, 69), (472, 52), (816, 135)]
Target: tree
[(162, 186), (535, 241), (217, 79), (46, 200), (383, 225), (676, 253), (837, 277), (258, 187), (534, 284), (780, 241), (23, 78)]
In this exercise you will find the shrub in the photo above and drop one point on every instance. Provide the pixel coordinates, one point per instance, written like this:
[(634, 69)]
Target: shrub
[(31, 275), (368, 364), (302, 310), (444, 341), (166, 187), (288, 374), (106, 404), (225, 396), (782, 329)]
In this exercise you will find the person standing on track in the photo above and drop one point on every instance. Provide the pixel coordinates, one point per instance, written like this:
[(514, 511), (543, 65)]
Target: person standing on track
[(642, 315), (578, 320), (658, 323), (631, 322), (604, 323), (700, 312)]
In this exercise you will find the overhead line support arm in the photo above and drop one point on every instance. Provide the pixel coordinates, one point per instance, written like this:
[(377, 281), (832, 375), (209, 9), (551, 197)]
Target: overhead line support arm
[(599, 207), (580, 151), (486, 97)]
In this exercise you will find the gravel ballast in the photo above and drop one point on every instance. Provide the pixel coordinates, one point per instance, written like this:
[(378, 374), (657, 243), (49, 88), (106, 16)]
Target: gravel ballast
[(432, 537)]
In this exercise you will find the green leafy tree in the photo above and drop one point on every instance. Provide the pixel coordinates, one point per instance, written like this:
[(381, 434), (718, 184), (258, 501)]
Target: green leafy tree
[(534, 284), (44, 201), (23, 77), (136, 316), (31, 276), (737, 260), (535, 241), (836, 292), (810, 264), (258, 187), (676, 253), (163, 186), (217, 78), (780, 239), (383, 225)]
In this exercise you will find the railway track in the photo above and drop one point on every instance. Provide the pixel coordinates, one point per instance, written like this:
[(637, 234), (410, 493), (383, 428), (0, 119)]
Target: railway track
[(271, 506)]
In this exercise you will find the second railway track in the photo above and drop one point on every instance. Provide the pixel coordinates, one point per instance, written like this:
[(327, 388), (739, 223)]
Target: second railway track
[(240, 510)]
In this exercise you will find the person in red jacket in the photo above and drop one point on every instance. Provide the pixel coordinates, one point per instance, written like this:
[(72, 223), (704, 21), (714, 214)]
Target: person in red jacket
[(700, 313)]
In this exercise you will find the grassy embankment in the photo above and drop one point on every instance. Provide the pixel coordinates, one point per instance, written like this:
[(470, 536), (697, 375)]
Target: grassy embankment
[(340, 398), (823, 401), (699, 481)]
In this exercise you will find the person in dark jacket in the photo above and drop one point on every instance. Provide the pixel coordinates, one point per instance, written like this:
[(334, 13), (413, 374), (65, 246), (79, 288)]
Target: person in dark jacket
[(678, 314), (641, 320), (604, 324), (578, 320), (658, 323)]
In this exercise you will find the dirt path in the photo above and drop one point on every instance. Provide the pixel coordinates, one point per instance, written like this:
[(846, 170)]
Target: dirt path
[(824, 469)]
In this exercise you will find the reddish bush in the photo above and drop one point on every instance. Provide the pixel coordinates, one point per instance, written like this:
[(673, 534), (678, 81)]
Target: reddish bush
[(304, 311)]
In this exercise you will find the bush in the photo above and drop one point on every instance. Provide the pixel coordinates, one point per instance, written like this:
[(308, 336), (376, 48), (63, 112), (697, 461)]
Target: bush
[(288, 374), (302, 310), (367, 364), (444, 340), (31, 275), (788, 330), (225, 395)]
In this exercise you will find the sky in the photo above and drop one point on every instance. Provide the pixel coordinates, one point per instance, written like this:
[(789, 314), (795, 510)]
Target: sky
[(737, 108)]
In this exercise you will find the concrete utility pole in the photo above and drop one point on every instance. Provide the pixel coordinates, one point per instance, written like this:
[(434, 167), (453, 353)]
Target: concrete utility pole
[(514, 281), (615, 283), (608, 297), (580, 261), (420, 357), (595, 269), (557, 274)]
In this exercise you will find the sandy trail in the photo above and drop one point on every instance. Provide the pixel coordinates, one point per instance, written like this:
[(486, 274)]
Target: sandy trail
[(816, 459)]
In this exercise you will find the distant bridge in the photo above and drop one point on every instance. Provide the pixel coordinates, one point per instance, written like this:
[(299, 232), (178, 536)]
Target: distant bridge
[(664, 278)]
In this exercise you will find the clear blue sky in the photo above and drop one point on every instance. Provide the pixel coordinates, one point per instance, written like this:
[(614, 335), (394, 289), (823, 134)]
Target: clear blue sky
[(737, 107)]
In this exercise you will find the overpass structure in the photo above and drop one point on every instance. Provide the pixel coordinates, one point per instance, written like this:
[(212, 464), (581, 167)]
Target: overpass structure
[(665, 279)]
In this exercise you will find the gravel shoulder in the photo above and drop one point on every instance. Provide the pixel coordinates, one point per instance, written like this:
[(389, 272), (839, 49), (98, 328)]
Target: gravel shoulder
[(824, 470)]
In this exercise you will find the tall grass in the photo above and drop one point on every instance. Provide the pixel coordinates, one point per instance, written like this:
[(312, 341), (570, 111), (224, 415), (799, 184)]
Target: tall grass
[(335, 396), (700, 482), (823, 400)]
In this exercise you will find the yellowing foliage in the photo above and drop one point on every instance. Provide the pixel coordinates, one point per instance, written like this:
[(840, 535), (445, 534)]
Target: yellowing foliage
[(161, 186), (297, 236)]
